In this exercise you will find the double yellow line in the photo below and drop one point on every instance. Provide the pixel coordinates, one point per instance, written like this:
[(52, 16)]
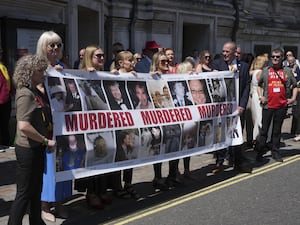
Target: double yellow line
[(202, 192)]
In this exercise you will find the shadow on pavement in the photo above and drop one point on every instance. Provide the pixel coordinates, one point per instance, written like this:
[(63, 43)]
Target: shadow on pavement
[(8, 167), (80, 214)]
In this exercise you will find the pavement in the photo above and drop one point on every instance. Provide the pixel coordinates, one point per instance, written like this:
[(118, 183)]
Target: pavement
[(201, 166)]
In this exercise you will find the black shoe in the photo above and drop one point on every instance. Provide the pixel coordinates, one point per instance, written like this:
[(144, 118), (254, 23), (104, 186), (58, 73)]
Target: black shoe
[(130, 190), (61, 211), (276, 156), (172, 182), (259, 157), (243, 167), (159, 184)]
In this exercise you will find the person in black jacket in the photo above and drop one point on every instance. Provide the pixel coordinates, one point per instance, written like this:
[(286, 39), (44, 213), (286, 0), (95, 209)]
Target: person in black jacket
[(230, 62)]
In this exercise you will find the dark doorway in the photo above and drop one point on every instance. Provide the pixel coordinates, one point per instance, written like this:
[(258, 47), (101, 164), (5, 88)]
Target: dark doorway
[(195, 37), (88, 27)]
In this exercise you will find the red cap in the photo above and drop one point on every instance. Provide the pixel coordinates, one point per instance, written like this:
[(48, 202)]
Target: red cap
[(151, 45)]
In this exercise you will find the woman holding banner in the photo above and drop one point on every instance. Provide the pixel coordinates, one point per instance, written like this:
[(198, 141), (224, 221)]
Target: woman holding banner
[(34, 131), (96, 195), (50, 46), (159, 66)]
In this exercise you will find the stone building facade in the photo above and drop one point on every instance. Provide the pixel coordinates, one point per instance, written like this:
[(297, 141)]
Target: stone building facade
[(257, 26)]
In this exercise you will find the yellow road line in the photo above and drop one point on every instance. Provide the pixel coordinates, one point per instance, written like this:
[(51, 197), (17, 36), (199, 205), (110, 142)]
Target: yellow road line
[(202, 192)]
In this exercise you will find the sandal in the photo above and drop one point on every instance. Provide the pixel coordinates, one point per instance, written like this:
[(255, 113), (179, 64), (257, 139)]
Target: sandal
[(48, 216)]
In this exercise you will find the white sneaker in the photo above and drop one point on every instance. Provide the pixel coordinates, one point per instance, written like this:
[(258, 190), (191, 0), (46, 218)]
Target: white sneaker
[(297, 138)]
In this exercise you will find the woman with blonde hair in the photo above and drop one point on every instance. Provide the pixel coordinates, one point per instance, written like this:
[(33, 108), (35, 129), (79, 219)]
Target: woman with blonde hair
[(93, 59), (204, 62), (257, 65), (50, 46), (160, 64), (124, 63), (95, 186)]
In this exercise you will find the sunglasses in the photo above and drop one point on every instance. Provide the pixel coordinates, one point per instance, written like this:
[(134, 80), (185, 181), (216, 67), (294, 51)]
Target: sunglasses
[(275, 56), (58, 45), (99, 56), (207, 57), (138, 59), (164, 61)]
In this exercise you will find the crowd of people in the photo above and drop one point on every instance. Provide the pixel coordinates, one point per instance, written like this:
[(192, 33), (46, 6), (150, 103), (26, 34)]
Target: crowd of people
[(266, 87)]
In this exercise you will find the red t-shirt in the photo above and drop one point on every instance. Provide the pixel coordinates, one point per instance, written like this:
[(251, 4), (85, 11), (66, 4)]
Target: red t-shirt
[(276, 89)]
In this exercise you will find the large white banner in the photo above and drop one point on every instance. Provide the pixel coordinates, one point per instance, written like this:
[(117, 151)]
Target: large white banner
[(104, 122)]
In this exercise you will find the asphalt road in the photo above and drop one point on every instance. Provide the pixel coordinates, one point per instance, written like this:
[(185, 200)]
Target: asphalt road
[(269, 196)]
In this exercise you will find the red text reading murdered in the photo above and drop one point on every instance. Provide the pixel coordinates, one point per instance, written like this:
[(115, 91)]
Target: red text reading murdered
[(208, 111), (95, 121), (166, 116)]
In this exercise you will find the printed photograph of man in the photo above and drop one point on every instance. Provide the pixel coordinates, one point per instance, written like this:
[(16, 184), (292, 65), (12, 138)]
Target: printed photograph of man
[(206, 133), (116, 95), (160, 94), (231, 89), (91, 100), (171, 138), (166, 97), (139, 95), (71, 152), (73, 100), (219, 130), (100, 148), (127, 142), (189, 135), (199, 92), (151, 138), (217, 90), (179, 93)]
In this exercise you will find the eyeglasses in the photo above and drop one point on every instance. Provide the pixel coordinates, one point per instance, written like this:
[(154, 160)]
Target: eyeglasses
[(58, 45), (138, 59), (164, 61), (194, 92), (275, 56), (99, 56), (207, 57)]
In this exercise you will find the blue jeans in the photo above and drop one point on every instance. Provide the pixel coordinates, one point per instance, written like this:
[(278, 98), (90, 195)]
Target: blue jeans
[(29, 180)]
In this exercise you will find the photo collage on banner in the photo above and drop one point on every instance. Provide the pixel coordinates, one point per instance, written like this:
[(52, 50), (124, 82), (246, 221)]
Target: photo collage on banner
[(71, 94)]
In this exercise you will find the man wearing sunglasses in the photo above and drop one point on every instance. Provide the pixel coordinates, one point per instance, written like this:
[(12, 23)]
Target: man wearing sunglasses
[(277, 89)]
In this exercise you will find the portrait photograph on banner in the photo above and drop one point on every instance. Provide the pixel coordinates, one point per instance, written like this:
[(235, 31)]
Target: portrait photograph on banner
[(160, 94), (139, 95), (100, 148), (151, 141), (92, 95), (117, 95), (71, 151), (199, 92)]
